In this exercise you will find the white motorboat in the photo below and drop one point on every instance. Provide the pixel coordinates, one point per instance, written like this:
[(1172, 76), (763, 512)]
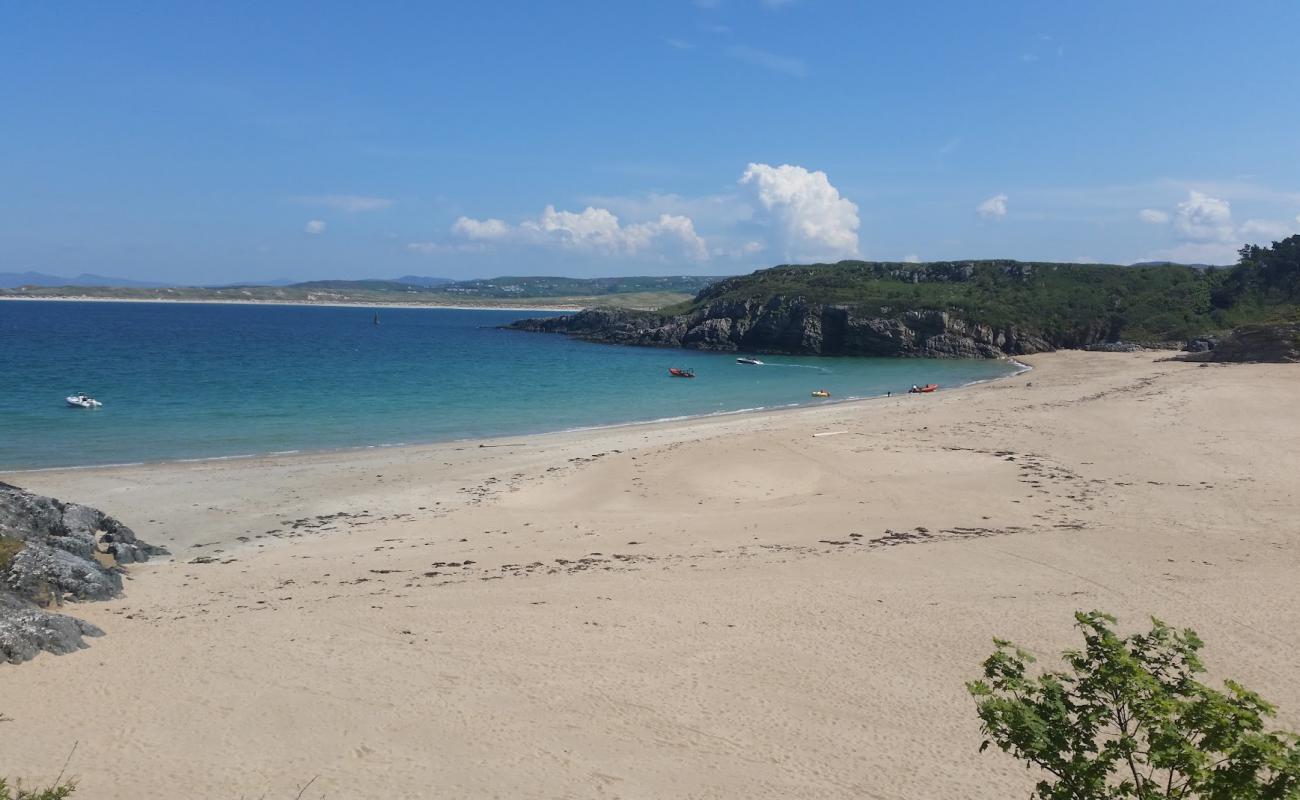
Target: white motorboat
[(82, 400), (753, 361)]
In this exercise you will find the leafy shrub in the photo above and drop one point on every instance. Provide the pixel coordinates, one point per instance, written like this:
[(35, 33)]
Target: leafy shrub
[(58, 792), (1129, 720)]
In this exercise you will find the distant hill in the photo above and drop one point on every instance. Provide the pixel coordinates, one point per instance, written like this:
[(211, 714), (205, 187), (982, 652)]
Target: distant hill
[(1170, 263), (420, 280), (11, 280), (634, 292), (521, 287), (373, 285)]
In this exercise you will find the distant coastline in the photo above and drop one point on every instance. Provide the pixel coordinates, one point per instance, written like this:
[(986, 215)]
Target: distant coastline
[(328, 303)]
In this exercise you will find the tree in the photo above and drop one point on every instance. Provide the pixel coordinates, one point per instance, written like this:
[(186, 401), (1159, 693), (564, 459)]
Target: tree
[(1129, 720)]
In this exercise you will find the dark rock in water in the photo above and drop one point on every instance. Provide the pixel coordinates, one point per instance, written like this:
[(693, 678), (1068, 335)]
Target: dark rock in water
[(25, 630), (794, 326), (54, 551), (1277, 344)]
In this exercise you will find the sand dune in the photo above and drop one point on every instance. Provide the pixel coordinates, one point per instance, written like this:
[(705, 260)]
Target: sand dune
[(730, 607)]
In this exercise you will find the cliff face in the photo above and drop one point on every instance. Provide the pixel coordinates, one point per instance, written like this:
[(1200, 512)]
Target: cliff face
[(794, 326)]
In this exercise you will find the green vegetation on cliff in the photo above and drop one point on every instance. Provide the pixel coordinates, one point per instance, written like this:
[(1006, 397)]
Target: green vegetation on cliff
[(1064, 303)]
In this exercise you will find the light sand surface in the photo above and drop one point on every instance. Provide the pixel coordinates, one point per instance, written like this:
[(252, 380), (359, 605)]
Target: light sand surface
[(732, 607)]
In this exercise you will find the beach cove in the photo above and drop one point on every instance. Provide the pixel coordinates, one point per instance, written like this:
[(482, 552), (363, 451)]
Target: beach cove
[(775, 604)]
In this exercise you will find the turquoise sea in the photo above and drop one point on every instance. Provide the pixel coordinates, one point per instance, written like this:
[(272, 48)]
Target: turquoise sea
[(189, 381)]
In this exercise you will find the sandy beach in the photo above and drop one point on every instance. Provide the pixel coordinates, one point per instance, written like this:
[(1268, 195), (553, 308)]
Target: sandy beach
[(768, 605)]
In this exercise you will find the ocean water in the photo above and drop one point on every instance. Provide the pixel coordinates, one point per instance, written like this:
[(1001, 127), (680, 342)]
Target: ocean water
[(185, 381)]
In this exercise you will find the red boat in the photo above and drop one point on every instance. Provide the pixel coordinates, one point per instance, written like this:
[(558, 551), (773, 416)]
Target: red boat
[(680, 373), (926, 389)]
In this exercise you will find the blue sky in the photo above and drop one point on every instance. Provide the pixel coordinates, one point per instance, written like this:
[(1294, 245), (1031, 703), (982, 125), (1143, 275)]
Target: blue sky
[(206, 142)]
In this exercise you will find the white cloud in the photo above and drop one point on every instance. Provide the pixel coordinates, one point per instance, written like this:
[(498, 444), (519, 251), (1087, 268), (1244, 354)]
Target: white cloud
[(593, 230), (783, 64), (993, 208), (1153, 216), (911, 258), (1209, 235), (812, 220), (746, 250), (1204, 218), (424, 247), (1270, 229), (481, 230), (350, 203), (678, 44), (710, 210), (315, 227)]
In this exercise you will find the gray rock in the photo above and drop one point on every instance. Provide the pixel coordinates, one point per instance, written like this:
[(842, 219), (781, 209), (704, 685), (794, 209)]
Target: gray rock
[(68, 552), (1278, 344), (48, 574), (26, 630)]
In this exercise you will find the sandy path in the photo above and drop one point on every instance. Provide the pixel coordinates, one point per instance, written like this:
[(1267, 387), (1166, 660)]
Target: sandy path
[(732, 607)]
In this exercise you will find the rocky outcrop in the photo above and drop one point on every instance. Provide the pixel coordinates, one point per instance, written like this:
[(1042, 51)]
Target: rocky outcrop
[(1278, 344), (794, 326), (52, 552), (26, 630)]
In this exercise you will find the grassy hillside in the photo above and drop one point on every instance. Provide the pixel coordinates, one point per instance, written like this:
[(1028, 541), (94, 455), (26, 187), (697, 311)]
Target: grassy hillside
[(1151, 302)]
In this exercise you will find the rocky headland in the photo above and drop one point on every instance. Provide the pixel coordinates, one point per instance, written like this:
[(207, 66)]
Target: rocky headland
[(968, 309), (52, 552), (796, 326)]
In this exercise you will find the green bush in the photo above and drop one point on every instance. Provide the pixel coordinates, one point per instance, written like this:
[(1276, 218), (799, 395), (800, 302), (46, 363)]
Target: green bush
[(1128, 719), (52, 793)]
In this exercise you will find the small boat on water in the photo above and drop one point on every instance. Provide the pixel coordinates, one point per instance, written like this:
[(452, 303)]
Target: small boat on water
[(821, 393), (82, 400), (753, 361), (926, 389), (681, 373)]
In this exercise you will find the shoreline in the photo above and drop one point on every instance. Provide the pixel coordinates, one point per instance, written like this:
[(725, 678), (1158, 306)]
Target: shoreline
[(327, 304), (494, 441), (760, 605)]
